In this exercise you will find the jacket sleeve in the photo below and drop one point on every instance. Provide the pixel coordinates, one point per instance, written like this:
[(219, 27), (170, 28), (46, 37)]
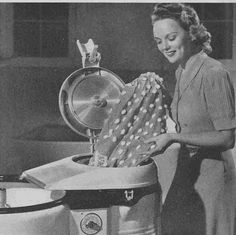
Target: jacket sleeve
[(220, 98)]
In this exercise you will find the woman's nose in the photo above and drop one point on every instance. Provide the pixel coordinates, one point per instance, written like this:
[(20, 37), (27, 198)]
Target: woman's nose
[(164, 46)]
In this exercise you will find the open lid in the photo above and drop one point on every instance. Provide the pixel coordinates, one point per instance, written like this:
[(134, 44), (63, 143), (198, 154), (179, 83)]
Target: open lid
[(86, 98)]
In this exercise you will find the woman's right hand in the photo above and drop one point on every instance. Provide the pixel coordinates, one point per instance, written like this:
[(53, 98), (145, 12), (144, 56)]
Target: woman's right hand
[(161, 143)]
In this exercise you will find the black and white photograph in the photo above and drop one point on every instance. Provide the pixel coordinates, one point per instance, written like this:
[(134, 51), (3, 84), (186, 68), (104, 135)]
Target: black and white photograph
[(117, 117)]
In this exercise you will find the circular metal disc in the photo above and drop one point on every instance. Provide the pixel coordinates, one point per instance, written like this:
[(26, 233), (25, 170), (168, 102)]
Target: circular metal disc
[(87, 97)]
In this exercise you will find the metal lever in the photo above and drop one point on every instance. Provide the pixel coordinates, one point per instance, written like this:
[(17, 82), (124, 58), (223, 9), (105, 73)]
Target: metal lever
[(90, 56), (92, 140)]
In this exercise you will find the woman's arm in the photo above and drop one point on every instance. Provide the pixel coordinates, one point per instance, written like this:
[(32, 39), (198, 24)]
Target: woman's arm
[(224, 139), (219, 96)]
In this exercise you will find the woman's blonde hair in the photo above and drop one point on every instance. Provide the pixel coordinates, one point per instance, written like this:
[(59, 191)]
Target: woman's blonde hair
[(188, 19)]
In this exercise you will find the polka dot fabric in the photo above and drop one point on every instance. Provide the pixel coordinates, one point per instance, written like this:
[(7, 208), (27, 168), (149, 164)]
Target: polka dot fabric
[(140, 113)]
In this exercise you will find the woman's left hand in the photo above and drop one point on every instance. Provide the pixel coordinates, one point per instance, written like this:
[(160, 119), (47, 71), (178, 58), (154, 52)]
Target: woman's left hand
[(161, 143)]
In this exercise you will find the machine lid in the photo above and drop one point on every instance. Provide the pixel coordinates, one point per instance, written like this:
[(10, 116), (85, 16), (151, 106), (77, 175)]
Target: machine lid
[(86, 98)]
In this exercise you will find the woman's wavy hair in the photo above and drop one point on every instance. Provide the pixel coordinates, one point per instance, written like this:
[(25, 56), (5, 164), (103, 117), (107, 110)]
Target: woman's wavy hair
[(188, 19)]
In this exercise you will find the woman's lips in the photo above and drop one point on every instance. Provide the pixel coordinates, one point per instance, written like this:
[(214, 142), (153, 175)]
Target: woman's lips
[(170, 53)]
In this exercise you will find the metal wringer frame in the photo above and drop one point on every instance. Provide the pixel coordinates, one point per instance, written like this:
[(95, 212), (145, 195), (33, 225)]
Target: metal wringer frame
[(87, 96), (101, 200)]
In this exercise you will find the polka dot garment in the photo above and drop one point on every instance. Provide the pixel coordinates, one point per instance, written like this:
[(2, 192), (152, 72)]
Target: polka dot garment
[(140, 114)]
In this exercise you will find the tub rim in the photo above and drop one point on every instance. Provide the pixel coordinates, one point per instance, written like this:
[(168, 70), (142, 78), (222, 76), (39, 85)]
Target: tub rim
[(23, 209)]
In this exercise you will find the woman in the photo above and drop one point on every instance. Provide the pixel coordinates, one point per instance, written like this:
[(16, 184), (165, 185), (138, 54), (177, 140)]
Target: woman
[(201, 198)]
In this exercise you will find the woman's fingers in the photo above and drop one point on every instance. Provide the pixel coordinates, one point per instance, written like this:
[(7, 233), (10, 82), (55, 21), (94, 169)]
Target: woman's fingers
[(150, 140), (153, 151)]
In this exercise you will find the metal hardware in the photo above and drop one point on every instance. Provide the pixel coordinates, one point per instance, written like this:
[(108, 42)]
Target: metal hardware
[(129, 194)]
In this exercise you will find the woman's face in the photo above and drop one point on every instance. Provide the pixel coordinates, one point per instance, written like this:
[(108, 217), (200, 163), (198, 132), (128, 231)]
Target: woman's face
[(172, 40)]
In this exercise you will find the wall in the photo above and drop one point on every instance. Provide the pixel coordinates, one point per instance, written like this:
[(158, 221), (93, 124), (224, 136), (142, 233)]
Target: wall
[(29, 110), (123, 33)]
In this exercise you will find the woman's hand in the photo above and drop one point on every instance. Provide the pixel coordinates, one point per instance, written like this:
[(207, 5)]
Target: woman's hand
[(224, 140), (161, 142)]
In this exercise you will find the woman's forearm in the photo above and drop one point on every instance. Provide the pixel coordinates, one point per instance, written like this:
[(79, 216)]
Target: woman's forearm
[(223, 139)]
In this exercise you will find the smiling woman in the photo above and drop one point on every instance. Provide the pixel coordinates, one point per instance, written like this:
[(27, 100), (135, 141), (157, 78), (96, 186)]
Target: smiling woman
[(201, 200), (178, 38), (172, 40)]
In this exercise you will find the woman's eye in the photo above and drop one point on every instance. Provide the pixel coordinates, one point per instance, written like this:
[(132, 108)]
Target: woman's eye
[(172, 38)]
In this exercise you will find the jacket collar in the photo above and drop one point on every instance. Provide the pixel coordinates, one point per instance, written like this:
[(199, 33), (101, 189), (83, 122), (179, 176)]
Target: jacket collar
[(192, 67)]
